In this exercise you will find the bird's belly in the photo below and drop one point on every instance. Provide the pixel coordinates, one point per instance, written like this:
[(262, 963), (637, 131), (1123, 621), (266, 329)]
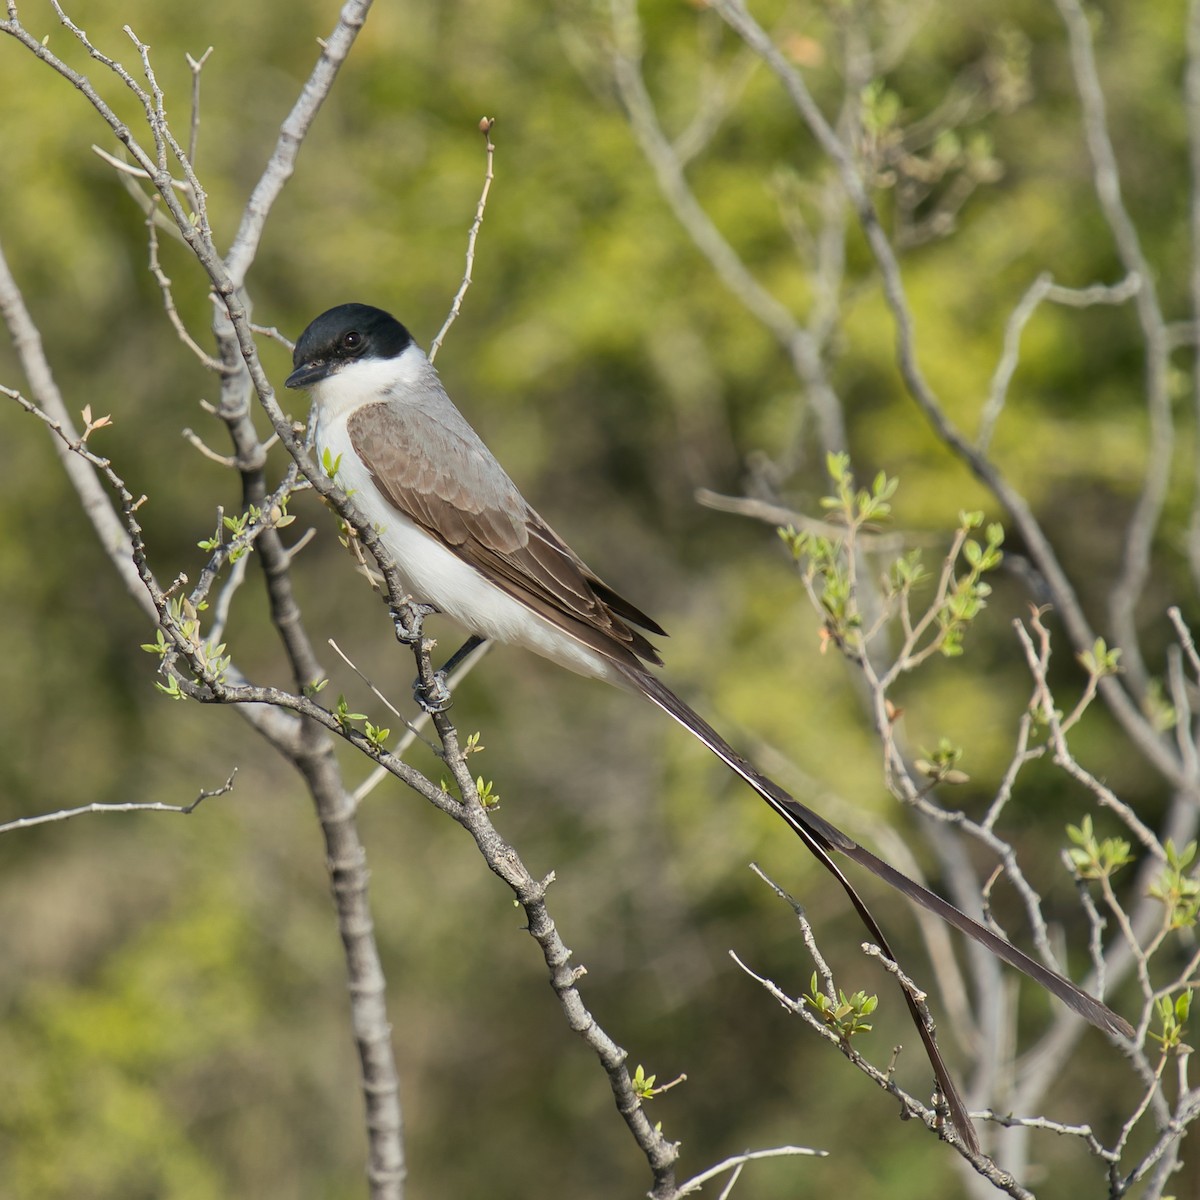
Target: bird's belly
[(436, 575)]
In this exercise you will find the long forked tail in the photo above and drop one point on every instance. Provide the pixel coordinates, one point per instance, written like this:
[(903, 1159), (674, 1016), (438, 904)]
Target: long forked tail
[(821, 837)]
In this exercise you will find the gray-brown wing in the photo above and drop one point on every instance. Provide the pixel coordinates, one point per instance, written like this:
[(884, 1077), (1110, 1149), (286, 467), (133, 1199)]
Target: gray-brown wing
[(443, 478)]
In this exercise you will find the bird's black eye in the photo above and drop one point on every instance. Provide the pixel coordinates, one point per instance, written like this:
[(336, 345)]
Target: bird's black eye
[(352, 342)]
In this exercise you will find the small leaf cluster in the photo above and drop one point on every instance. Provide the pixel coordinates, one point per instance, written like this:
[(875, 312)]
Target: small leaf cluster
[(968, 594), (941, 765), (91, 424), (848, 1015), (829, 572), (1092, 858), (345, 718), (1163, 715), (643, 1084), (183, 618), (377, 735), (1178, 891), (330, 463), (857, 506), (1173, 1015), (1100, 661), (880, 108), (905, 574), (826, 574), (934, 172), (243, 526)]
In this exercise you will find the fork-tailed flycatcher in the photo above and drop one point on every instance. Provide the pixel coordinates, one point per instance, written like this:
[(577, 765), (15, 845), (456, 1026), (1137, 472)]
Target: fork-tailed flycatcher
[(466, 542)]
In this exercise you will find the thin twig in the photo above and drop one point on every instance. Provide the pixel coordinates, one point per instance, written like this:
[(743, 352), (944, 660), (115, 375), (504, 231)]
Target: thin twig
[(168, 299), (271, 332), (806, 931), (129, 171), (1139, 535), (1042, 288), (197, 443), (910, 1106), (133, 806), (740, 1160), (195, 65), (1080, 1131), (1044, 701), (486, 125)]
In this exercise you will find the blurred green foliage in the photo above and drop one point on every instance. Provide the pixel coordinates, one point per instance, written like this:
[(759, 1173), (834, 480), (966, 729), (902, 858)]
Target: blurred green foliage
[(172, 1017)]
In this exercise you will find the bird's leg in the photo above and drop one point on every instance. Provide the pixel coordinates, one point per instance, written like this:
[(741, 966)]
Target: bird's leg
[(409, 622), (436, 697), (462, 653)]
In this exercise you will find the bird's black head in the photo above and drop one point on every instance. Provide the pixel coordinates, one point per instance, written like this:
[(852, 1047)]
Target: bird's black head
[(344, 335)]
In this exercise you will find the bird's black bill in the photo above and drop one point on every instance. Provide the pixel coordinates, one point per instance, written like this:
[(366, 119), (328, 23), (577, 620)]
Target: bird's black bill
[(306, 374)]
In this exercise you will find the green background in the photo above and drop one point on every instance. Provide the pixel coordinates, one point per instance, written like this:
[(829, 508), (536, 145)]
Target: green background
[(173, 1018)]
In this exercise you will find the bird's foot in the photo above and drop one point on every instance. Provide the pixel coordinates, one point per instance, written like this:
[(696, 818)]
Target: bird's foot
[(435, 698), (412, 635)]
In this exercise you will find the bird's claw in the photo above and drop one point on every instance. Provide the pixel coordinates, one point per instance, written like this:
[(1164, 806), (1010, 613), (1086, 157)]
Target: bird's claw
[(434, 698), (413, 636)]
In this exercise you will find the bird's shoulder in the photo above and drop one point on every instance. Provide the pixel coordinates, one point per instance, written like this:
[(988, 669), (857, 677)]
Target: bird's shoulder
[(433, 467)]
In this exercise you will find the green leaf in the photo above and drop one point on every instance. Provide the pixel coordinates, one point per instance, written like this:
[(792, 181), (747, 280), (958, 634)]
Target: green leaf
[(330, 463)]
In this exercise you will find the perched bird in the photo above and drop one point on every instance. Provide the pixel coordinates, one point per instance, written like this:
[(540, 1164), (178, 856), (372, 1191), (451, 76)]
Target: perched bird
[(466, 542)]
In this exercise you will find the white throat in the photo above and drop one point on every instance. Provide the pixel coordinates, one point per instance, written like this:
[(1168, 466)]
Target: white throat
[(368, 379)]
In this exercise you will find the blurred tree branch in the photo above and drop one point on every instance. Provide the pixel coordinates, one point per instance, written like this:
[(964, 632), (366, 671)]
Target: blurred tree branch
[(881, 634), (855, 614), (198, 668)]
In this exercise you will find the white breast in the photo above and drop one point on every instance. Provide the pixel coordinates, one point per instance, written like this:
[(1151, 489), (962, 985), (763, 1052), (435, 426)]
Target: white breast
[(437, 576)]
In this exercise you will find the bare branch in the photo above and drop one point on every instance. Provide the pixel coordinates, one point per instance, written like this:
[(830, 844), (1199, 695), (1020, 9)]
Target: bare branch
[(800, 345), (1155, 478), (334, 50), (740, 1160), (1042, 288), (1066, 600), (274, 334), (486, 125), (197, 443), (1079, 1131), (168, 299), (134, 806), (195, 65), (49, 404)]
